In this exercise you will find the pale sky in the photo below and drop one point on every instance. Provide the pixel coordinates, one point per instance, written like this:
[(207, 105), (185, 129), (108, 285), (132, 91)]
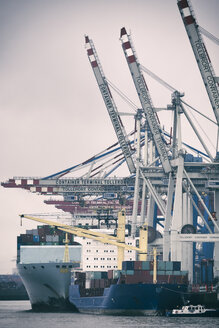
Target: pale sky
[(52, 113)]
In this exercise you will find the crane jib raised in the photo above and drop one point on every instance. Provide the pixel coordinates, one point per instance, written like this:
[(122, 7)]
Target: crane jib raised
[(144, 97), (201, 54), (110, 105)]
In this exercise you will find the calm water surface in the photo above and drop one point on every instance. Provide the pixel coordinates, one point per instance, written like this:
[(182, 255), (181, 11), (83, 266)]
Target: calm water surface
[(18, 314)]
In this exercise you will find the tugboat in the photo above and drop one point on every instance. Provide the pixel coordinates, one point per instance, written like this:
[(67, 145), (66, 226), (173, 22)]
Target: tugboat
[(193, 311)]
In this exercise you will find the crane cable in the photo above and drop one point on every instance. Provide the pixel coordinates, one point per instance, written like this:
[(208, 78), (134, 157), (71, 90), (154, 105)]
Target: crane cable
[(172, 89), (123, 96), (209, 35)]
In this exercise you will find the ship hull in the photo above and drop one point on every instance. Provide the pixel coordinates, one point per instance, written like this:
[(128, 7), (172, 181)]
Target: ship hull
[(47, 285), (130, 299)]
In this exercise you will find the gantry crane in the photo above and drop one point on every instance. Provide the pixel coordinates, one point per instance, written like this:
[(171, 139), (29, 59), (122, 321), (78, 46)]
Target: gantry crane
[(210, 82), (109, 102), (145, 99), (201, 54), (150, 115)]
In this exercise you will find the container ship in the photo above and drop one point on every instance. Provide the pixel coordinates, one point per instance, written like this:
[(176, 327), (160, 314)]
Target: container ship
[(45, 261), (100, 285), (52, 283), (135, 290), (44, 264)]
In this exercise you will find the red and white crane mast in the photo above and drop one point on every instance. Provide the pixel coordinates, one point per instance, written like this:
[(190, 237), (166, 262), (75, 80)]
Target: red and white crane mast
[(109, 102), (201, 54), (145, 99)]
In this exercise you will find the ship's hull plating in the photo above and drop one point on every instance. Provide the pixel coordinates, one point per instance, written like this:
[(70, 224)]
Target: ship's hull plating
[(130, 299), (47, 285)]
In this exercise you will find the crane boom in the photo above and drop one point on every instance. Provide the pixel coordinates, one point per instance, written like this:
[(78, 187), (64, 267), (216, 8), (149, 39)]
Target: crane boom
[(145, 99), (101, 237), (109, 102), (201, 54)]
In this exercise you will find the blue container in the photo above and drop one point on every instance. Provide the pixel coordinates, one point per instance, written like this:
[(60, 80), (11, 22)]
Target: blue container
[(197, 159), (161, 265), (36, 238), (146, 265), (184, 273), (168, 273), (130, 272), (188, 158), (103, 275), (128, 265), (176, 266), (176, 273), (169, 266)]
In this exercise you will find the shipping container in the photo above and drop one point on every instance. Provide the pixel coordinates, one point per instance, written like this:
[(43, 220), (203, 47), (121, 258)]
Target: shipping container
[(177, 273), (26, 238), (55, 238), (30, 232), (101, 283), (137, 265), (42, 239), (145, 265), (110, 274), (189, 158), (130, 272), (184, 273), (167, 273), (169, 265), (48, 238), (131, 279), (161, 265), (160, 273), (128, 265), (176, 266), (96, 275), (36, 238)]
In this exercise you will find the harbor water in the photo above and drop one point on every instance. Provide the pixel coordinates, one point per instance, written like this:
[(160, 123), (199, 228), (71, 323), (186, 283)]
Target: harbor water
[(18, 314)]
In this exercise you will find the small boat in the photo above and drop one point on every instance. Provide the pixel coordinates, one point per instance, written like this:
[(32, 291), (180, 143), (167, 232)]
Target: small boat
[(193, 311)]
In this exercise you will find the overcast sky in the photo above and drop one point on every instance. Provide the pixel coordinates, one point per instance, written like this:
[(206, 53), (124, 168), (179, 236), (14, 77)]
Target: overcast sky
[(51, 111)]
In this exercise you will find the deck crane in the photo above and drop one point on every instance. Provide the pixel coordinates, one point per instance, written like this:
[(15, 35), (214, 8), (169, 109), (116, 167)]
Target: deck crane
[(118, 241), (109, 102), (201, 54), (145, 99)]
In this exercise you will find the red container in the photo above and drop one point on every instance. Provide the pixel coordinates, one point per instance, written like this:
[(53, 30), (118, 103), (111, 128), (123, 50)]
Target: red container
[(110, 274), (101, 283), (138, 265), (131, 280), (97, 283), (143, 275)]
